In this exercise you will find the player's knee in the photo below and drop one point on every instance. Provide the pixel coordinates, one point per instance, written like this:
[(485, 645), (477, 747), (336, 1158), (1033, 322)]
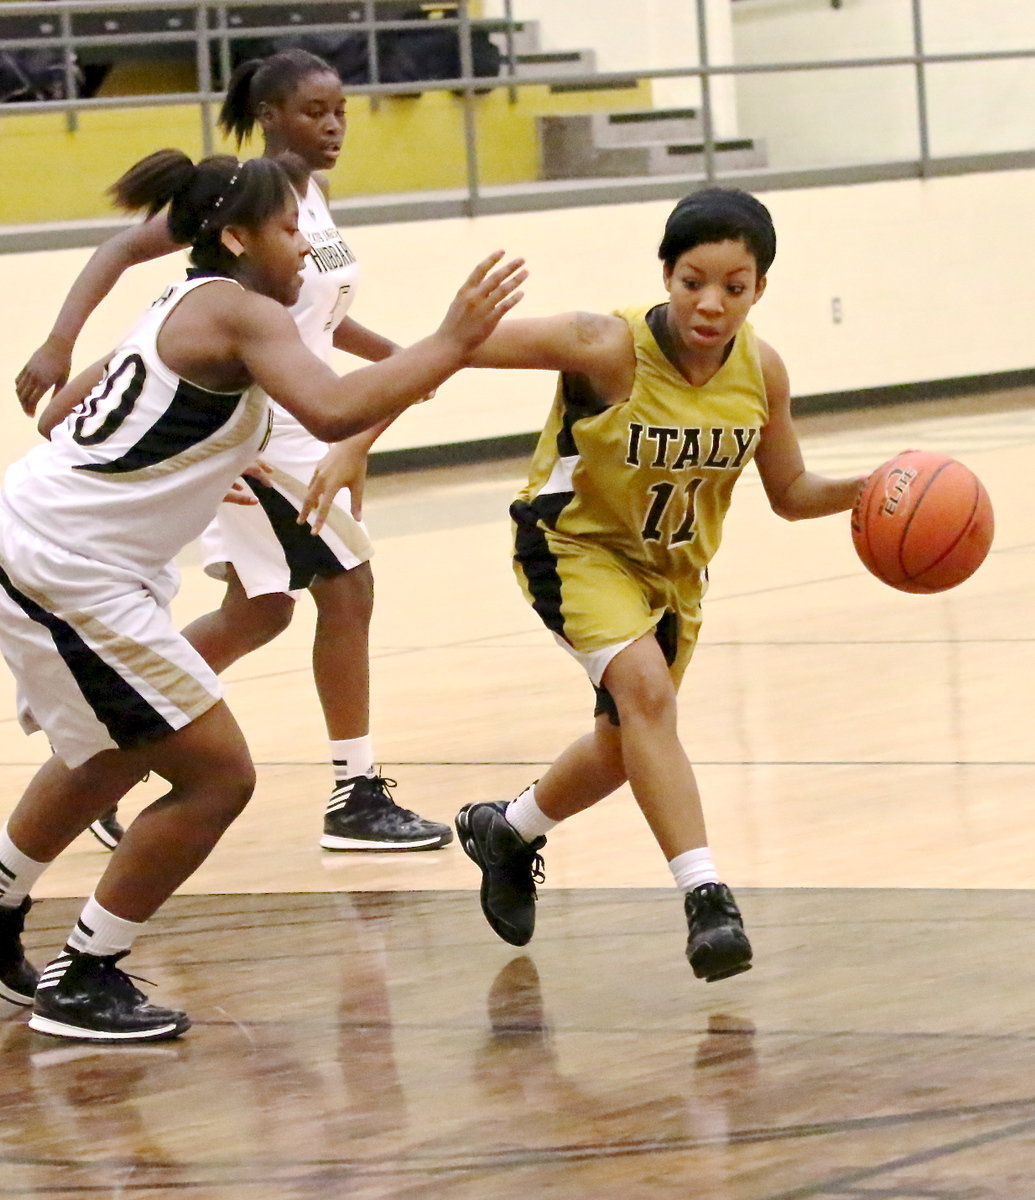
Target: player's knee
[(233, 785), (647, 697), (267, 618), (347, 596), (242, 788)]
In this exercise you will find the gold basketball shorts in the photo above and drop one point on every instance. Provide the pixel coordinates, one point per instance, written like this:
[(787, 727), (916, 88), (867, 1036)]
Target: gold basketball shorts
[(596, 601)]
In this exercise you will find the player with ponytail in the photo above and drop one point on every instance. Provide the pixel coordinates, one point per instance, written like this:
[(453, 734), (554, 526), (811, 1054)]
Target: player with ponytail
[(142, 447), (261, 552)]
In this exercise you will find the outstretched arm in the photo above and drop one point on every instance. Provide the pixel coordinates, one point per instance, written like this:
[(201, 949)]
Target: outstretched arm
[(794, 493), (573, 341), (332, 408), (49, 366), (593, 345)]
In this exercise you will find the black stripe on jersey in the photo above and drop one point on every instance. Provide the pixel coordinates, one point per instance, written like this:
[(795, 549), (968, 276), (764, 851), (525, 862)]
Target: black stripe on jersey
[(545, 507), (126, 715), (666, 634), (580, 401), (193, 416), (307, 557), (539, 565)]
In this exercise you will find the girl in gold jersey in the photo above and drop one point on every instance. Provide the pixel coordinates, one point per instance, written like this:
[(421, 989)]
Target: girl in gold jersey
[(657, 412)]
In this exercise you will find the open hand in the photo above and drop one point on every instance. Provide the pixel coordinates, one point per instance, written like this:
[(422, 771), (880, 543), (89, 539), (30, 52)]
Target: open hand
[(488, 293), (344, 465)]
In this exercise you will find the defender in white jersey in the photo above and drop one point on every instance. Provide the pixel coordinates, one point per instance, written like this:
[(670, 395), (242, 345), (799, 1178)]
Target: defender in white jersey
[(262, 552), (91, 524), (143, 447), (264, 545), (174, 441)]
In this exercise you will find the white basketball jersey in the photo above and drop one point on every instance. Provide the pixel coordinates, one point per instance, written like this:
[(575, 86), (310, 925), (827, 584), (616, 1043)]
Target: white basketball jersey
[(139, 468), (328, 277), (328, 285)]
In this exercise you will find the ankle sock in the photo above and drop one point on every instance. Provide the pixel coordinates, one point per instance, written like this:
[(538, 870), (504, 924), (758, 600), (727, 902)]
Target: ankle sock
[(100, 932), (18, 872), (527, 818), (692, 868), (351, 757)]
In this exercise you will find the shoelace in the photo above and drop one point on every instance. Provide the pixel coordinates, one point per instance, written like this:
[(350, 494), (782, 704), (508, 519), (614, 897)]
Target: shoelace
[(115, 975), (538, 870), (382, 790), (717, 904), (527, 871)]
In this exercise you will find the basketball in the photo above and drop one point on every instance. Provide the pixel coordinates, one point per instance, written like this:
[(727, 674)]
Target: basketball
[(923, 522)]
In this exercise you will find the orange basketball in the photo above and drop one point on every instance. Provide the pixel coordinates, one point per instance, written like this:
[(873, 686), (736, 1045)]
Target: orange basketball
[(923, 522)]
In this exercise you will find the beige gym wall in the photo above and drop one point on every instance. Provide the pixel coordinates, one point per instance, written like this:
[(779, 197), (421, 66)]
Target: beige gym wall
[(935, 280)]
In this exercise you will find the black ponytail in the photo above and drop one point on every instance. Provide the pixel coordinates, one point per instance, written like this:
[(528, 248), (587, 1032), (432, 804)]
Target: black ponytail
[(237, 116), (265, 81), (204, 198), (152, 183)]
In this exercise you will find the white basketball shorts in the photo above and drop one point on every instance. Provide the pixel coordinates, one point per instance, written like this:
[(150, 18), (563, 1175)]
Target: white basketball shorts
[(264, 542), (98, 661)]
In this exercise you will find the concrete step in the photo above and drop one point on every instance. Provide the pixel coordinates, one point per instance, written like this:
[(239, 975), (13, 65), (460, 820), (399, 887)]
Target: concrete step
[(587, 132), (524, 37), (566, 152), (542, 63), (736, 154), (646, 125)]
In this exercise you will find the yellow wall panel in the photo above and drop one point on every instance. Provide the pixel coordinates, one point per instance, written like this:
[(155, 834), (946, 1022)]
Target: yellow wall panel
[(396, 144)]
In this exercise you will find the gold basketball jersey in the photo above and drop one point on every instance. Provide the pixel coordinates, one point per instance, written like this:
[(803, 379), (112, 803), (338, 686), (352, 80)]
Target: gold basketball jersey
[(650, 478)]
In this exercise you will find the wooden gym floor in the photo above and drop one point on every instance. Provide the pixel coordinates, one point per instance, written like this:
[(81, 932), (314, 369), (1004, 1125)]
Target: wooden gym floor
[(866, 762)]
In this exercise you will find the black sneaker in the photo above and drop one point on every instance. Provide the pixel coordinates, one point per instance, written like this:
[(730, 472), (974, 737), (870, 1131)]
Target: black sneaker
[(511, 867), (18, 977), (361, 815), (87, 997), (107, 829), (717, 946)]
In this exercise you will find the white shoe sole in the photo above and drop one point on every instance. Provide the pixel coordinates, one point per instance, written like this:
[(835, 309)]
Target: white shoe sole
[(331, 842), (103, 836), (13, 997), (58, 1029)]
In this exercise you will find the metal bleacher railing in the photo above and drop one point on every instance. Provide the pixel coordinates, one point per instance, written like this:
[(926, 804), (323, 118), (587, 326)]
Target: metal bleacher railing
[(207, 33)]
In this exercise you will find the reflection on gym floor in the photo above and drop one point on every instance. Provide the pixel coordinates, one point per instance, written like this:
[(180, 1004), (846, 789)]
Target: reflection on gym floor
[(865, 759)]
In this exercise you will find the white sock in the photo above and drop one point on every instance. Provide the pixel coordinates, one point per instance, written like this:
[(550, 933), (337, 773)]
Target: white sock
[(100, 932), (352, 756), (692, 868), (18, 872), (527, 817)]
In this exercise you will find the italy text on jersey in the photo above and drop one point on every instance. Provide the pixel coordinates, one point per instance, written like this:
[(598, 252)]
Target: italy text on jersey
[(715, 448)]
